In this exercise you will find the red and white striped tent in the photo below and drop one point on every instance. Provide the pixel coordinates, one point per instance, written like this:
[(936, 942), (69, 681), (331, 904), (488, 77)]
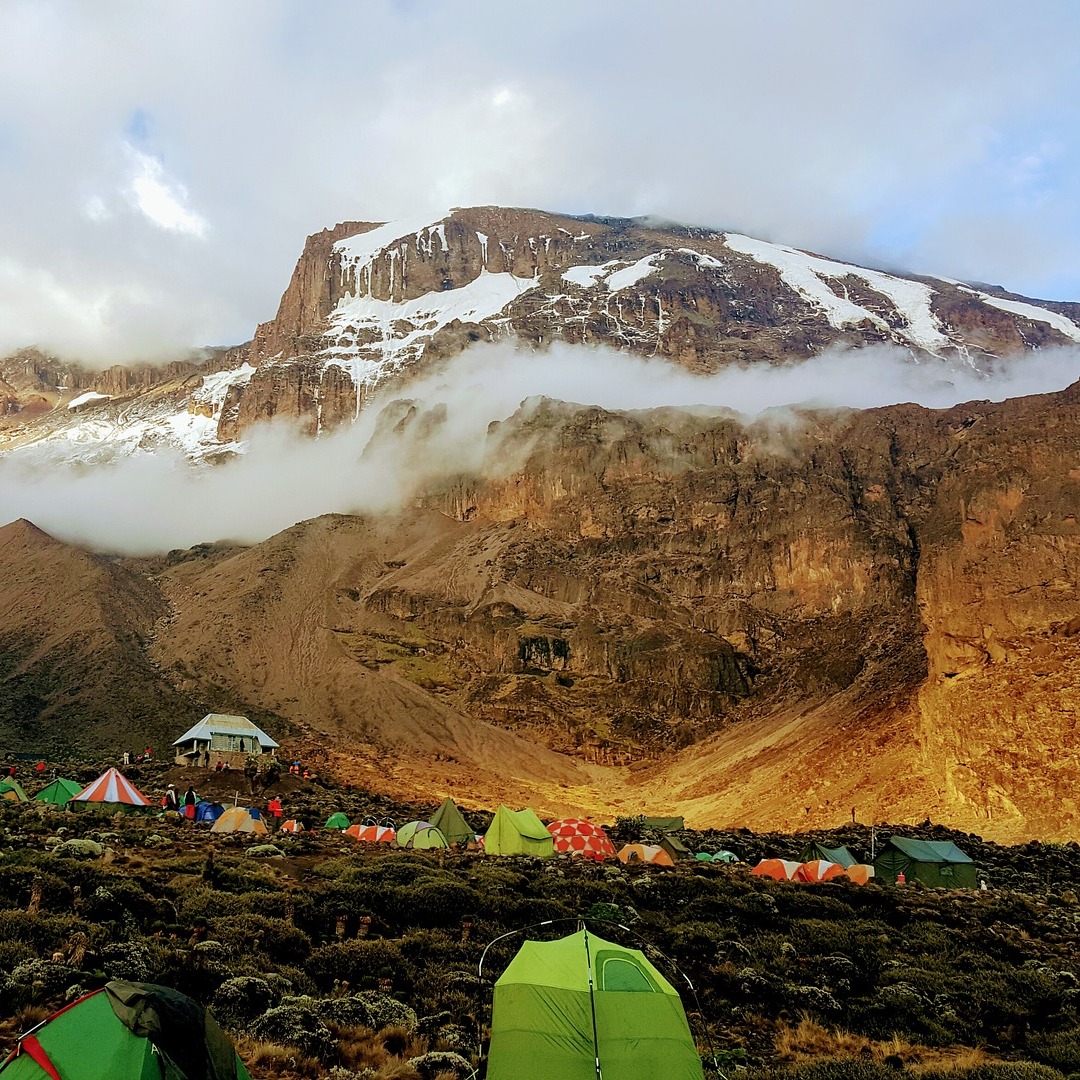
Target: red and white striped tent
[(579, 837), (292, 825), (372, 834), (112, 786)]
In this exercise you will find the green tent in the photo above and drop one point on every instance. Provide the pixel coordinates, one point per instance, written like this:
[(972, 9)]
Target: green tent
[(449, 821), (58, 792), (11, 790), (518, 832), (337, 821), (420, 835), (573, 1007), (126, 1031), (815, 851), (676, 848), (933, 862)]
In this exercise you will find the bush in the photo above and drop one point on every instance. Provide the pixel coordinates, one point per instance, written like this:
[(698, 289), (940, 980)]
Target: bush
[(367, 1009), (239, 1001), (295, 1023), (441, 1063), (352, 961)]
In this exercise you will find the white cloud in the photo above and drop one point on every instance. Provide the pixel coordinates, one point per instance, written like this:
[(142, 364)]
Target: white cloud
[(154, 502), (161, 201)]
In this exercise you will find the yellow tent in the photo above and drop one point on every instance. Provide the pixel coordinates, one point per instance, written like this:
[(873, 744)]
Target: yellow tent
[(239, 819)]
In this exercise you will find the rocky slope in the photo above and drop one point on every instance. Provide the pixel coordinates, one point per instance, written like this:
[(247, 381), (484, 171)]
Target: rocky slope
[(754, 626), (371, 304)]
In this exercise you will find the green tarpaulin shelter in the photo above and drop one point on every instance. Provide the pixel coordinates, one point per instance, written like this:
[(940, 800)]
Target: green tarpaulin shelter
[(12, 791), (815, 851), (518, 832), (58, 792), (126, 1031), (664, 824), (449, 821), (579, 1006), (337, 821), (933, 862)]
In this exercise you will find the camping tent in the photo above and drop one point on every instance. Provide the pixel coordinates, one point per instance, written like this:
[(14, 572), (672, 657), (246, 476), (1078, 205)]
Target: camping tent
[(239, 819), (371, 833), (860, 873), (517, 832), (449, 820), (578, 837), (126, 1031), (817, 870), (645, 853), (420, 835), (573, 1007), (779, 869), (292, 826), (208, 811), (11, 791), (58, 792), (664, 824), (112, 788), (337, 821), (933, 862), (676, 848), (816, 850)]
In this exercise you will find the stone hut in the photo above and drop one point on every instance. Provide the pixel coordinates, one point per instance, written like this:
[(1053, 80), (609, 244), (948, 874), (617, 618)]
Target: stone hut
[(229, 739)]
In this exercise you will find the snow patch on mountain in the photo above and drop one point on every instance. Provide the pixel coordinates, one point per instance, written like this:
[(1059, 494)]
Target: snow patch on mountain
[(1028, 311), (373, 338), (809, 276), (86, 399)]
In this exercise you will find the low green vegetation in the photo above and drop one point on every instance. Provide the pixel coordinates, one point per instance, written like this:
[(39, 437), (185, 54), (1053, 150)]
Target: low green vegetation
[(336, 959)]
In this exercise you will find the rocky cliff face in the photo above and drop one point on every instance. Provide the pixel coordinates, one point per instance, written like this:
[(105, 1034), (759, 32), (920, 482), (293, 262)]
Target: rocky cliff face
[(372, 304), (756, 626)]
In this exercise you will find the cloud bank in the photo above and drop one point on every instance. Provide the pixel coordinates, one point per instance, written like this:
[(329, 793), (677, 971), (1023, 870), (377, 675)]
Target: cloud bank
[(160, 165), (152, 502)]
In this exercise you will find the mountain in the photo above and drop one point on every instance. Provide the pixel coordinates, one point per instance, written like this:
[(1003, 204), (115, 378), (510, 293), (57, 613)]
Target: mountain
[(667, 608), (370, 305)]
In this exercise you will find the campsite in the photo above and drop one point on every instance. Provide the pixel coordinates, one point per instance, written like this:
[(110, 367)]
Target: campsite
[(324, 954)]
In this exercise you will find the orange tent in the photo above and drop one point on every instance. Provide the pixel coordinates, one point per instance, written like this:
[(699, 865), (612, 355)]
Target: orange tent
[(372, 834), (645, 853), (779, 869), (817, 870), (292, 825), (860, 873)]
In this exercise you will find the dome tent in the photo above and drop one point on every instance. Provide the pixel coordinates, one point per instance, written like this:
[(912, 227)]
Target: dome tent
[(576, 836), (337, 821), (239, 819), (11, 791), (208, 811), (420, 835), (578, 1005), (126, 1031)]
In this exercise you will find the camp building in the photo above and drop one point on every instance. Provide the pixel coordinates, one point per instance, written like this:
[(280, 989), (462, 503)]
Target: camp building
[(229, 739)]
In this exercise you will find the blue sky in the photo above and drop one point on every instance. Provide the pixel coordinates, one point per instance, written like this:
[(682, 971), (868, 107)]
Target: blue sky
[(160, 165)]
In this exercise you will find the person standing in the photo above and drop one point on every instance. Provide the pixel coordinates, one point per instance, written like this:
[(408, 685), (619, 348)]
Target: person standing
[(170, 801), (274, 810), (190, 799)]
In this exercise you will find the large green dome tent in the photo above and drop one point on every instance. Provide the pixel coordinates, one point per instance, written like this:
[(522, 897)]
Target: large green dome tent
[(518, 832), (581, 1007), (126, 1031)]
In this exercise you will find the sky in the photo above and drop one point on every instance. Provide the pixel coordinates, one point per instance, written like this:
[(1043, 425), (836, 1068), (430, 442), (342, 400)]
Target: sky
[(161, 164)]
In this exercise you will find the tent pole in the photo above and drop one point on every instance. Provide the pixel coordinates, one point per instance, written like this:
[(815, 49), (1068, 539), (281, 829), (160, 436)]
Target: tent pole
[(592, 1002)]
